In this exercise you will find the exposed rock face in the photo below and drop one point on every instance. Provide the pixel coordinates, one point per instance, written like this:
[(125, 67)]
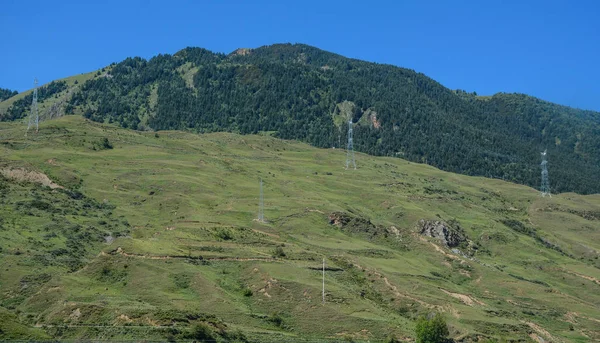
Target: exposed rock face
[(354, 224), (448, 235), (339, 219), (242, 51), (364, 228), (373, 118)]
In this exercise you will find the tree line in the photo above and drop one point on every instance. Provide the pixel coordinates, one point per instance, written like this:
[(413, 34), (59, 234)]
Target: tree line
[(7, 93), (20, 108)]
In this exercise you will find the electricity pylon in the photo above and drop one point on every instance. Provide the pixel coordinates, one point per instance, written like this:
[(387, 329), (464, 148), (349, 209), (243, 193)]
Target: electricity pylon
[(34, 117), (350, 149), (261, 204), (545, 188)]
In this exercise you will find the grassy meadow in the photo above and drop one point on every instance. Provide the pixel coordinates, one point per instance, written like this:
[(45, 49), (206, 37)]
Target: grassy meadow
[(153, 235)]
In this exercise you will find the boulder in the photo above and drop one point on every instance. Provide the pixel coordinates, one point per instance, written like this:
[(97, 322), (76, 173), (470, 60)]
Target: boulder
[(449, 236)]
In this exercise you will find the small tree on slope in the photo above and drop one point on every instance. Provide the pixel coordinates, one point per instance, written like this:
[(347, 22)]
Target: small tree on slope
[(431, 330)]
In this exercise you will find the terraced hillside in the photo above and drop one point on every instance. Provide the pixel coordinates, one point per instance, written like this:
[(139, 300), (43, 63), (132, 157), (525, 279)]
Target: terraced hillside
[(109, 233)]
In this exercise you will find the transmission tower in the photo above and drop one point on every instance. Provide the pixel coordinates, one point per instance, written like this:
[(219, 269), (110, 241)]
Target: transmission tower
[(261, 204), (350, 150), (34, 117), (545, 188)]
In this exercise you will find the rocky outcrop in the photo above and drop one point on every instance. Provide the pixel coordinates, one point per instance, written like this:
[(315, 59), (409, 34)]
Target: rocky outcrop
[(450, 236), (242, 52), (350, 223), (363, 227), (358, 225)]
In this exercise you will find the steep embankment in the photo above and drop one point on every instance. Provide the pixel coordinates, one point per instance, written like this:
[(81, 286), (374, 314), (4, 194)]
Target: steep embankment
[(153, 234)]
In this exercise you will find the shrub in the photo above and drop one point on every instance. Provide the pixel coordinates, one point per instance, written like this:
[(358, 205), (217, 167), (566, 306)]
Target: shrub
[(276, 319), (224, 235), (201, 333), (432, 330), (235, 336), (106, 143), (182, 281), (278, 252)]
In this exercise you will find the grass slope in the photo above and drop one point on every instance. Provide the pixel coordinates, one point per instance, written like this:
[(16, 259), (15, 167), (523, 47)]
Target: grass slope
[(155, 236)]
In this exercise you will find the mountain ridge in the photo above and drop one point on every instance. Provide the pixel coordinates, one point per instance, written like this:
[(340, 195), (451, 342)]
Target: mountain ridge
[(298, 91)]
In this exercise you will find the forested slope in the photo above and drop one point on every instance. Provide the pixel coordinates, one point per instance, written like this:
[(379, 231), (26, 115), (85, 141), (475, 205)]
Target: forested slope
[(6, 93), (305, 93)]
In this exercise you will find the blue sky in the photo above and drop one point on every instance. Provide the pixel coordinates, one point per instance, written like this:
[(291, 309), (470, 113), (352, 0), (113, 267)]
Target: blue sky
[(549, 49)]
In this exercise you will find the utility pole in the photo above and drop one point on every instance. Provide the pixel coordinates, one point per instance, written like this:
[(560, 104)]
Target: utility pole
[(323, 280)]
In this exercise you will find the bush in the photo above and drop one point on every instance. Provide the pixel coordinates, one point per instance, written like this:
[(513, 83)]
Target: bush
[(235, 336), (278, 252), (106, 144), (182, 281), (276, 319), (224, 235), (432, 330), (201, 333)]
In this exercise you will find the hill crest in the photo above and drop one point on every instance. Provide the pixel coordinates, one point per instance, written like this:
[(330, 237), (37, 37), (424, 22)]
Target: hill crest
[(296, 91)]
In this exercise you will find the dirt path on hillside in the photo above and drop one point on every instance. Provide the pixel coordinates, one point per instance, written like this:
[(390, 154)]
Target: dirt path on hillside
[(266, 233), (168, 257), (467, 300), (439, 249), (541, 331), (395, 291), (589, 278), (103, 326)]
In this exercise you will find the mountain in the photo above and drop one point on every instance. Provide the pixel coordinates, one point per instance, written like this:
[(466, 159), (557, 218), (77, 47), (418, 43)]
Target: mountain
[(303, 93)]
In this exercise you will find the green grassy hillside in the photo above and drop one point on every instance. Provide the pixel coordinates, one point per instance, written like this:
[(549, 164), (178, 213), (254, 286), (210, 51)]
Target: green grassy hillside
[(138, 235)]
